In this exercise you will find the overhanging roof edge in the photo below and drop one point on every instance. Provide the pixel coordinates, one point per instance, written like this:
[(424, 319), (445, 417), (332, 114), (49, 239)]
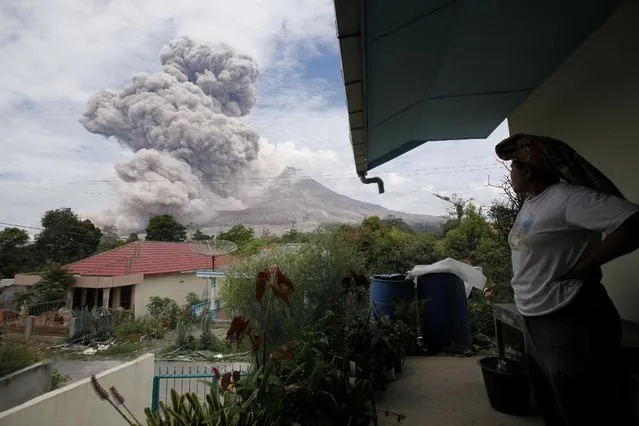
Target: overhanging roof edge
[(349, 20)]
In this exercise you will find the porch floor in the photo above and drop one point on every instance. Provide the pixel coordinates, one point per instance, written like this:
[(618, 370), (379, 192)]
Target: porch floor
[(443, 391)]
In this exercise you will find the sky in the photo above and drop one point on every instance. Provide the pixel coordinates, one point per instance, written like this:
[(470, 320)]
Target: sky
[(56, 54)]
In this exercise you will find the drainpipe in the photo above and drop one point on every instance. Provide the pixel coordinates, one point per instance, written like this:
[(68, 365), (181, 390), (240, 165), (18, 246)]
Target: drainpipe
[(368, 181)]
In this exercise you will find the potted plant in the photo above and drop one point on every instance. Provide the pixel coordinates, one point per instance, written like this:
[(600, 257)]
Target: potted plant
[(506, 385)]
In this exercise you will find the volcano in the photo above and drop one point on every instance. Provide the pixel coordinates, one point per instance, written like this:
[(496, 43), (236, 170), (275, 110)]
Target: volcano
[(303, 203)]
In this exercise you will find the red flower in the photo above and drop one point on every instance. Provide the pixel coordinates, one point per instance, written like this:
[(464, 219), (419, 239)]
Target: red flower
[(257, 342), (260, 286), (280, 284), (283, 280), (283, 293), (226, 381), (216, 372), (238, 329)]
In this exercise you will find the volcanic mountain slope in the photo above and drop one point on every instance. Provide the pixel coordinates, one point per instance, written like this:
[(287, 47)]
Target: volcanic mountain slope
[(305, 204)]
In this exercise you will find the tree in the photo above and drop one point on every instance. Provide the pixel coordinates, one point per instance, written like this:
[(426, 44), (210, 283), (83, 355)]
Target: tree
[(239, 234), (55, 281), (198, 235), (12, 251), (110, 239), (165, 228), (295, 236), (66, 238), (133, 237), (194, 233), (391, 221), (504, 212), (371, 223), (461, 241)]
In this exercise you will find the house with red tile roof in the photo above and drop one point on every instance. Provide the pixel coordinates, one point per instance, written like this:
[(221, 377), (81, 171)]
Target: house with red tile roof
[(126, 277)]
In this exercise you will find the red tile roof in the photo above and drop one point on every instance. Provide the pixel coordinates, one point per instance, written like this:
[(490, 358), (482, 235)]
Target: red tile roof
[(148, 258)]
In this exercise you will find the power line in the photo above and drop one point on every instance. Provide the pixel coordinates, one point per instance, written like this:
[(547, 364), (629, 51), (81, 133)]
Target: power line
[(335, 176), (13, 225), (256, 197)]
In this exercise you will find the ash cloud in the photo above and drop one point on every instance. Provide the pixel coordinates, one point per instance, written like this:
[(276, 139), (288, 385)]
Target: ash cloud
[(191, 150)]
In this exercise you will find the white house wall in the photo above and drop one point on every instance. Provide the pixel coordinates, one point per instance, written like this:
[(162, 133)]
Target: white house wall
[(175, 286), (592, 103)]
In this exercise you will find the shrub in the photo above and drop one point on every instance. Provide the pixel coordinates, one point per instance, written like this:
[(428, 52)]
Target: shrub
[(164, 310), (303, 382), (139, 327), (16, 356), (317, 270), (59, 380), (193, 299)]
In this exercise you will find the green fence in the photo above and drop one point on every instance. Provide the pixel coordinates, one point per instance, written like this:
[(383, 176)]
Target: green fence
[(188, 379)]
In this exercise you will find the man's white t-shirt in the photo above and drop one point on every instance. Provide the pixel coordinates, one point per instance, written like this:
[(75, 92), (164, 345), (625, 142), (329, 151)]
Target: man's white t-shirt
[(552, 233)]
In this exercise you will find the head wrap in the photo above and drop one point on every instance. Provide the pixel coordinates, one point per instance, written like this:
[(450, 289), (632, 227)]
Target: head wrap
[(555, 156)]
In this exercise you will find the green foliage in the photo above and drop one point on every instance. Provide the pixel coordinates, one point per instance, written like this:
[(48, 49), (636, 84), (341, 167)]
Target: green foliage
[(295, 236), (96, 323), (53, 286), (391, 222), (208, 341), (481, 317), (462, 240), (66, 238), (193, 299), (165, 228), (183, 334), (397, 252), (317, 271), (198, 235), (163, 310), (133, 237), (110, 239), (239, 234), (251, 248), (59, 380), (12, 251), (135, 328), (16, 356)]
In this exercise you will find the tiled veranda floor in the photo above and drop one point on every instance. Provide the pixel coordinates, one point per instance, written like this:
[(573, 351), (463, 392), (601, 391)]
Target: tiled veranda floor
[(444, 391)]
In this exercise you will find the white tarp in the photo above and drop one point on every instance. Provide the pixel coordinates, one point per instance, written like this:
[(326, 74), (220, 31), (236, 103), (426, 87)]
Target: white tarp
[(471, 275)]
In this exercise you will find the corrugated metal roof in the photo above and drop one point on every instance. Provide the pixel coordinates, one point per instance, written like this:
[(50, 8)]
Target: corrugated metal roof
[(148, 258)]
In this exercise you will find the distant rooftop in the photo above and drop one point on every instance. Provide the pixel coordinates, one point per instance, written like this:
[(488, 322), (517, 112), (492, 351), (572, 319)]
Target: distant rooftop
[(148, 258)]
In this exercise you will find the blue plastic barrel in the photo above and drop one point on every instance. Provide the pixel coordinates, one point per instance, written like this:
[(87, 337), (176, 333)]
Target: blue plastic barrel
[(388, 290), (446, 319)]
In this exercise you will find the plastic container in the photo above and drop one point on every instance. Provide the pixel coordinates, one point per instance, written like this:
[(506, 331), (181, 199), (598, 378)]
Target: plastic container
[(446, 323), (507, 388), (387, 290)]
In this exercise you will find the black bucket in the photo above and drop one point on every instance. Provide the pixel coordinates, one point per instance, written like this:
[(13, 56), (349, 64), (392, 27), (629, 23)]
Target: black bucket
[(508, 390)]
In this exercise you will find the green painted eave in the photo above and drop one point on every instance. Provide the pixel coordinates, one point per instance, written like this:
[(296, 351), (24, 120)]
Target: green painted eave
[(430, 70)]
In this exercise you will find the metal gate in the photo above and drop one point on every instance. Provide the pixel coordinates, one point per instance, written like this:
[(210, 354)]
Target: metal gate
[(189, 378)]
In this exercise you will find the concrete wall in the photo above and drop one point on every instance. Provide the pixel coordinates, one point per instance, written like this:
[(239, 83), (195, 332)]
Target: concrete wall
[(77, 404), (175, 286), (592, 103), (25, 384)]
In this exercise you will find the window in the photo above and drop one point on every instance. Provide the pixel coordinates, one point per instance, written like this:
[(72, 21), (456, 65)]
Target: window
[(126, 294), (77, 297)]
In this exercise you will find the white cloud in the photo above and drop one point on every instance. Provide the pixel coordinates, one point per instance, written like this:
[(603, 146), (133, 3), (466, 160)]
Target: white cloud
[(57, 53)]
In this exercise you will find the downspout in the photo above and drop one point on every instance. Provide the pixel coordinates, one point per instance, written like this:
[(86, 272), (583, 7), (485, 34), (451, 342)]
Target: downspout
[(367, 181), (362, 175)]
